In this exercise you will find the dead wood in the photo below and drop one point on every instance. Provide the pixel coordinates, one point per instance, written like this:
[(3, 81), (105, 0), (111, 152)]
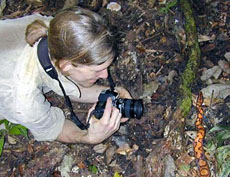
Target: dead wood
[(192, 54)]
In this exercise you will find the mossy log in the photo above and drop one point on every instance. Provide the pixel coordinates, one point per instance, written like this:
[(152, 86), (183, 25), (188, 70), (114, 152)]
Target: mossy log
[(192, 55)]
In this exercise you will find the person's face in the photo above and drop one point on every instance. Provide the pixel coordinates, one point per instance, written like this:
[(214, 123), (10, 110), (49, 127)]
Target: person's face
[(86, 75)]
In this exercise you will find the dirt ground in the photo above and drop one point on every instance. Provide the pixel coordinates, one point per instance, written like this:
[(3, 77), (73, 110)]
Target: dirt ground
[(151, 40)]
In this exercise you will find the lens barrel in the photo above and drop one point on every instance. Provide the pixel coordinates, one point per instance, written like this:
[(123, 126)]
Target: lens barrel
[(132, 108)]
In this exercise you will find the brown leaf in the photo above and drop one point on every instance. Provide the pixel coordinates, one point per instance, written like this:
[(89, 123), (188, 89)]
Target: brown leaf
[(56, 173), (163, 40), (109, 153), (126, 149), (100, 148), (184, 159), (208, 47), (81, 165), (35, 3), (21, 168), (131, 36), (30, 148), (140, 49), (214, 24), (224, 65)]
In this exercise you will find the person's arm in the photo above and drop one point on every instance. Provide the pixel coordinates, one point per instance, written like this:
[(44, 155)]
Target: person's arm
[(90, 95), (98, 131)]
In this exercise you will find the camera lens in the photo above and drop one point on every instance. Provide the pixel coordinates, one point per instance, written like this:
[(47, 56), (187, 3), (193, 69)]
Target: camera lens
[(132, 108)]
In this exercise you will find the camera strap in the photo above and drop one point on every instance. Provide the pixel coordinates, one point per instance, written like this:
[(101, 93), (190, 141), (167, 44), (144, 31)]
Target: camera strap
[(111, 83), (45, 61)]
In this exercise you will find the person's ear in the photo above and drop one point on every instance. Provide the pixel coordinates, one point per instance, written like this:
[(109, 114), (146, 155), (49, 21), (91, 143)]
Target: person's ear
[(65, 66)]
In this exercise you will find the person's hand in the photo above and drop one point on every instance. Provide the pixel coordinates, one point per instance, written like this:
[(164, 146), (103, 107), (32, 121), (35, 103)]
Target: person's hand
[(109, 123), (90, 111), (123, 93)]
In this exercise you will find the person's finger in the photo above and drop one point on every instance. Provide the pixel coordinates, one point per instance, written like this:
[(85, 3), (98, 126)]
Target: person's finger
[(124, 120), (107, 111), (114, 116), (89, 112), (118, 121)]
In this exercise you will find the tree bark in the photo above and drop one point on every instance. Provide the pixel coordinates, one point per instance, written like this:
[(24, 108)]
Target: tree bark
[(192, 54)]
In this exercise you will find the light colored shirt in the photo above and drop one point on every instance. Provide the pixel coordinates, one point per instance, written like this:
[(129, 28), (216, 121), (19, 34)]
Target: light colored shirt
[(23, 82)]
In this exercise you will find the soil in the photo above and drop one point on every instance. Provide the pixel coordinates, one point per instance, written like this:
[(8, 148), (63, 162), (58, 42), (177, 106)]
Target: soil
[(150, 63)]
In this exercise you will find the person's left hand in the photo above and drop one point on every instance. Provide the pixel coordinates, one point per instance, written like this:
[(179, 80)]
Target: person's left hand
[(123, 93)]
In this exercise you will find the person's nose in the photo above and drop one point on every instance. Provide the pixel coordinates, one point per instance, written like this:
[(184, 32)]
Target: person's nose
[(103, 74)]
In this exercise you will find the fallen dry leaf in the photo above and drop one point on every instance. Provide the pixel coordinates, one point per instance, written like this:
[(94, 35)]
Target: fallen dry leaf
[(224, 65), (183, 161), (203, 38), (126, 149), (208, 47), (227, 56), (81, 165), (21, 168), (30, 148), (109, 153), (212, 72), (11, 140), (220, 91), (100, 148)]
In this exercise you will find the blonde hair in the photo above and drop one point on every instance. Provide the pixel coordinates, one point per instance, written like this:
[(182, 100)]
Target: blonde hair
[(75, 34), (35, 31)]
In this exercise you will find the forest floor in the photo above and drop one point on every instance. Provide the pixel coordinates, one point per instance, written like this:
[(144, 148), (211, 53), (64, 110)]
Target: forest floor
[(151, 40)]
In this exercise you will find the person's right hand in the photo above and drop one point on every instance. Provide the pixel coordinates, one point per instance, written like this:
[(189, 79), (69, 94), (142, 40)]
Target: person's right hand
[(109, 123)]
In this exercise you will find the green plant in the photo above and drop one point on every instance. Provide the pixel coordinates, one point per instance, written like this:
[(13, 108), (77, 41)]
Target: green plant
[(167, 7), (221, 151), (93, 169), (223, 159), (11, 129)]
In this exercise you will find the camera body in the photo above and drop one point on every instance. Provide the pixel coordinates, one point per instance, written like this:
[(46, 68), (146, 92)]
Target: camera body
[(129, 108)]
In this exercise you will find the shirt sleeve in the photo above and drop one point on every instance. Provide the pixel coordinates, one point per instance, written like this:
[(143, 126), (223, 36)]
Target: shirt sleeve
[(44, 121), (12, 34)]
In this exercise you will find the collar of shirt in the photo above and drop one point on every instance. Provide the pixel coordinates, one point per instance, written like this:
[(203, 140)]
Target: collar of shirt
[(70, 87)]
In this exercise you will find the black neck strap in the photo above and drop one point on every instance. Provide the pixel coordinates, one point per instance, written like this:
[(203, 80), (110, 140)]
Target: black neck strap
[(111, 83), (45, 61)]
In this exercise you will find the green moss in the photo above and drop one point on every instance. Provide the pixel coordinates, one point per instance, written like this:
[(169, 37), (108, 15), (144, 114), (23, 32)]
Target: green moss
[(186, 106), (193, 53)]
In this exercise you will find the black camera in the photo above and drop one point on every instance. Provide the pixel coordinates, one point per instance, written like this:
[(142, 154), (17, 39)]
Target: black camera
[(129, 108)]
